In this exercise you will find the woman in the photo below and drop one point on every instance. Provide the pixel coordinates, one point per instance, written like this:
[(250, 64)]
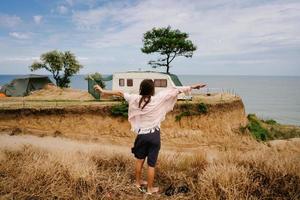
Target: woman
[(145, 113)]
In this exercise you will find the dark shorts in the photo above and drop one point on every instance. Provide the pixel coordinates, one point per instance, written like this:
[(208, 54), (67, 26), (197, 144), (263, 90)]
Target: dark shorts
[(147, 145)]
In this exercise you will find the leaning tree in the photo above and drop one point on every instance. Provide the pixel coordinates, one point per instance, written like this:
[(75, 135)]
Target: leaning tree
[(62, 66), (169, 44)]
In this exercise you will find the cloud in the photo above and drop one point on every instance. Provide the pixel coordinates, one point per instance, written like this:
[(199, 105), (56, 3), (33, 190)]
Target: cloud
[(96, 60), (20, 59), (91, 19), (70, 2), (90, 3), (37, 19), (109, 16), (9, 21), (217, 28), (19, 35), (62, 9)]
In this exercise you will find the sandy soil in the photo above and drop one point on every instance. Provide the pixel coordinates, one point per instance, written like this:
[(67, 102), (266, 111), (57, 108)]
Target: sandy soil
[(51, 92)]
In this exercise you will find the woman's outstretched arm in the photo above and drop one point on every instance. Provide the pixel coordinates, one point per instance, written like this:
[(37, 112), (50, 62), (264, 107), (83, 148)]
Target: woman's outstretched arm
[(198, 86), (173, 92), (121, 94), (188, 89), (108, 92)]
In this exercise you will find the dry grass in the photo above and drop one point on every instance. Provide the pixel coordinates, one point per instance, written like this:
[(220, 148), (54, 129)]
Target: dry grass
[(261, 173)]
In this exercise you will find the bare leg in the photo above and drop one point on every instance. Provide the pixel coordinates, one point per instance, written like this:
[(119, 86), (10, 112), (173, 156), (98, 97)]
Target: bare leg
[(138, 171), (150, 178)]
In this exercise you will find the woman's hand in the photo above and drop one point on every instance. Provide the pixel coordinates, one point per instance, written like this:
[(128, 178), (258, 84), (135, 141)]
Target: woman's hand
[(98, 88), (198, 86), (108, 92)]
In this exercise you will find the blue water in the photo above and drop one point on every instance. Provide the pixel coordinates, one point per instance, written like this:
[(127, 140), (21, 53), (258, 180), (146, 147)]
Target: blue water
[(267, 96)]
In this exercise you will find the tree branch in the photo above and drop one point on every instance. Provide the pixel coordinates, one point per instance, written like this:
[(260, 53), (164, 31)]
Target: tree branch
[(173, 57)]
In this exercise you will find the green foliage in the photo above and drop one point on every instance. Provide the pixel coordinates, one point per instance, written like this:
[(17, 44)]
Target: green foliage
[(62, 66), (189, 110), (97, 77), (269, 129), (270, 121), (183, 114), (169, 44), (202, 108), (284, 131), (120, 109), (255, 127)]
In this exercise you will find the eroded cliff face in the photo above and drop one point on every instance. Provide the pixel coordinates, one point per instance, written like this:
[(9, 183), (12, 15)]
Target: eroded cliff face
[(95, 122)]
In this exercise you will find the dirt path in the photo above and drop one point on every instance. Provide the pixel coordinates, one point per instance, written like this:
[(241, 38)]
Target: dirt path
[(58, 145)]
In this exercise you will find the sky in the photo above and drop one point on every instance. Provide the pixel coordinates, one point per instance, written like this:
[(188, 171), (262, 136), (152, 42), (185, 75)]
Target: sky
[(233, 37)]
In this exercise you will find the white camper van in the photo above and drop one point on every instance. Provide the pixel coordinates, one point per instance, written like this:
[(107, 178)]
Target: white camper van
[(130, 81)]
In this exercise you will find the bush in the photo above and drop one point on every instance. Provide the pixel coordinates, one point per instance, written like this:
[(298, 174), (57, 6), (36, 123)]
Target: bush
[(188, 110), (255, 127), (202, 108), (182, 114), (270, 129), (270, 121), (120, 109)]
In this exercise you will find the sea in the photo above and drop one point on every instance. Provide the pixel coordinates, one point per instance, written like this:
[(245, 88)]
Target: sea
[(269, 97)]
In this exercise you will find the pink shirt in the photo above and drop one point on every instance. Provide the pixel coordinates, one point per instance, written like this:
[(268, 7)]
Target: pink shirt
[(155, 111)]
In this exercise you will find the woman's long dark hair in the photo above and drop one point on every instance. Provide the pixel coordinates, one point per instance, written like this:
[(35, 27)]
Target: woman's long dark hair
[(146, 91)]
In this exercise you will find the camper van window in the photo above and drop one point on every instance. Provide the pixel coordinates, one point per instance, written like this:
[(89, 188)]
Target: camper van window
[(121, 82), (129, 82), (160, 82)]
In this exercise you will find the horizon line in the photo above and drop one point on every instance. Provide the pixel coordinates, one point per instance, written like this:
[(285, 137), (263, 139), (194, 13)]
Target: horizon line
[(263, 75)]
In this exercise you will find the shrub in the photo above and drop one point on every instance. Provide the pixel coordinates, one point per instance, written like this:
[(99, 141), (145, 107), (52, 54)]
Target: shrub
[(202, 108), (182, 114), (270, 121), (188, 110), (120, 109), (270, 129), (255, 127)]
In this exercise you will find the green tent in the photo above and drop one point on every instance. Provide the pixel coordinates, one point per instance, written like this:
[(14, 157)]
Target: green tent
[(92, 83), (22, 86)]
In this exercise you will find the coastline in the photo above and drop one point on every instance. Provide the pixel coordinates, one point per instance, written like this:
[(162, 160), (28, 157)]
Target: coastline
[(268, 97)]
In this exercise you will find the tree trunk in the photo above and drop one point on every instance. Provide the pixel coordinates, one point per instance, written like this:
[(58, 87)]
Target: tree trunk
[(57, 78), (57, 82), (168, 63)]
